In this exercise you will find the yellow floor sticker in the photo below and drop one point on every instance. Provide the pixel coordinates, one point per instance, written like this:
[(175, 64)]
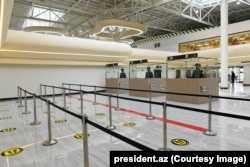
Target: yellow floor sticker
[(60, 121), (12, 152), (7, 130), (129, 124), (79, 136), (180, 142), (5, 118), (100, 114)]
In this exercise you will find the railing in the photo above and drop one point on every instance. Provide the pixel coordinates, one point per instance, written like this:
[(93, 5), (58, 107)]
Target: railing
[(83, 117), (209, 130), (109, 129)]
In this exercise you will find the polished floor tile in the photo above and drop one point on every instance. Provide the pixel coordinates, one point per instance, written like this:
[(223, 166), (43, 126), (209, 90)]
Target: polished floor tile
[(231, 133)]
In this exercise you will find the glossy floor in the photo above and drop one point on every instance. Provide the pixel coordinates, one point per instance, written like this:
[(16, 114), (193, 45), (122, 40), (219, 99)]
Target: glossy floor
[(18, 135)]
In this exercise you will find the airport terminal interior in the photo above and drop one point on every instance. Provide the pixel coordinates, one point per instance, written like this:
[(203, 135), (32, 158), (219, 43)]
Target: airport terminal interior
[(82, 78)]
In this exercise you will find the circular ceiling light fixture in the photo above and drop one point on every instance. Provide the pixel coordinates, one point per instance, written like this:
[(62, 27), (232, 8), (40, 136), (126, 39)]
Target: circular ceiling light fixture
[(47, 30), (118, 30)]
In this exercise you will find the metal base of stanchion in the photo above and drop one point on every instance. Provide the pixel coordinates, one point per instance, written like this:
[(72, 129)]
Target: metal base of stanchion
[(162, 149), (111, 127), (26, 112), (209, 133), (150, 117), (35, 123), (117, 109), (49, 142)]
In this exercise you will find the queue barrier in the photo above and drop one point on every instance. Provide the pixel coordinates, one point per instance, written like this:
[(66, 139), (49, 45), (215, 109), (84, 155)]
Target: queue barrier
[(209, 130), (84, 119), (108, 129)]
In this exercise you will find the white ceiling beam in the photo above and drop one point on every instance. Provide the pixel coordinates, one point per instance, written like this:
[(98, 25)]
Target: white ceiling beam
[(6, 10)]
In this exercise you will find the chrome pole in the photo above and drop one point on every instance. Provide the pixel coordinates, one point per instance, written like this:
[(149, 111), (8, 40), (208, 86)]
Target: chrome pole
[(85, 141), (150, 117), (81, 99), (41, 91), (25, 101), (64, 99), (209, 131), (54, 95), (35, 116), (117, 98), (45, 95), (20, 98), (69, 90), (50, 141), (95, 97), (165, 128), (110, 127)]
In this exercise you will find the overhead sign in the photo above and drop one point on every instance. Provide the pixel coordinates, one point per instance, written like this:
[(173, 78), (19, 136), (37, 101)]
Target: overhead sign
[(180, 57), (112, 65), (138, 61)]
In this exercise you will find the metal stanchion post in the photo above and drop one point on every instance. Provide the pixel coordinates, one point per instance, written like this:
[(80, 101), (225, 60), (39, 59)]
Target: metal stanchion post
[(18, 95), (85, 141), (35, 117), (80, 90), (117, 98), (209, 131), (165, 129), (50, 141), (81, 100), (41, 91), (45, 94), (110, 127), (64, 99), (54, 95), (150, 117), (20, 98), (69, 91), (95, 97), (25, 100)]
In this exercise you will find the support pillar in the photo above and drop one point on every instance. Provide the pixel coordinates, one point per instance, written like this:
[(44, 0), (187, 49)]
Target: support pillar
[(224, 44), (246, 78)]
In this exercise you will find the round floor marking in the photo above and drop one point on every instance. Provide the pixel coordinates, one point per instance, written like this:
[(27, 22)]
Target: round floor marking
[(8, 130), (3, 104), (80, 107), (79, 136), (180, 142), (60, 121), (39, 106), (5, 118), (100, 114), (12, 152), (46, 112), (129, 124), (4, 110)]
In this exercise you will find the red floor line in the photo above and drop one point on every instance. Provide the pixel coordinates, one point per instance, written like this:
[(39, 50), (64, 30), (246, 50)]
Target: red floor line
[(182, 124)]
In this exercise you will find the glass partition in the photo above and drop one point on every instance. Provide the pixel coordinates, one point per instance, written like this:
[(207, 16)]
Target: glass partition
[(192, 68), (111, 72), (147, 70)]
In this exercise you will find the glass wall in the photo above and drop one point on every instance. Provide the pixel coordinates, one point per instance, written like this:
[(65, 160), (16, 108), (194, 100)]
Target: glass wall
[(192, 68), (147, 70)]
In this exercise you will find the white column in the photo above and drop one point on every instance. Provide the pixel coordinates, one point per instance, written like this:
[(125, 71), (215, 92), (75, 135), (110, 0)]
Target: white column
[(224, 44), (246, 75)]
